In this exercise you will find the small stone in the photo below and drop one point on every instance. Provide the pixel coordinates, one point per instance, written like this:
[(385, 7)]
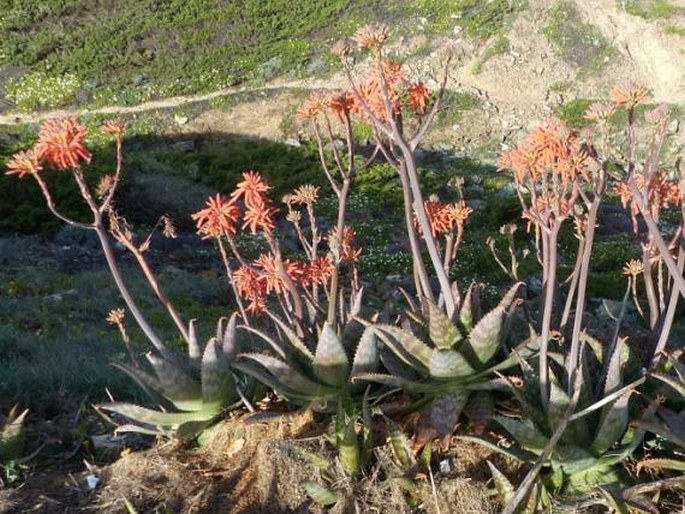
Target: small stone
[(180, 120), (292, 142)]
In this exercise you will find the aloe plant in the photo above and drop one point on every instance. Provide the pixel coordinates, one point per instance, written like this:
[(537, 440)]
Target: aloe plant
[(12, 435), (320, 377), (199, 389), (597, 437), (458, 368)]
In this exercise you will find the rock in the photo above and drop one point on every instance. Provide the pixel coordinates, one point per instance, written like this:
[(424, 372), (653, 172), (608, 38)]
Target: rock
[(292, 142), (180, 120), (674, 126)]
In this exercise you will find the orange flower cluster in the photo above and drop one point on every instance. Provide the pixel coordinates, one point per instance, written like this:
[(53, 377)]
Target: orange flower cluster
[(444, 217), (304, 195), (258, 210), (318, 272), (341, 104), (661, 193), (251, 288), (219, 218), (349, 254), (61, 143), (551, 149), (371, 36), (418, 98)]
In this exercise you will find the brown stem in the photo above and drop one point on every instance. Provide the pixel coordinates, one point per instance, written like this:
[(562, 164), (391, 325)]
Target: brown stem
[(53, 209), (339, 233), (649, 285), (574, 283), (229, 274), (549, 286), (670, 310), (106, 203)]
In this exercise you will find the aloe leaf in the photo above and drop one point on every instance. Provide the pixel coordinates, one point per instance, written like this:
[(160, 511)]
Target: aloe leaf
[(661, 431), (330, 363), (513, 452), (505, 489), (675, 422), (442, 331), (401, 446), (613, 424), (320, 494), (282, 377), (12, 436), (218, 385), (614, 374), (275, 345), (138, 429), (445, 364), (175, 384), (470, 309), (366, 358), (156, 418), (487, 335), (524, 434), (480, 409), (678, 366), (145, 380), (394, 365), (348, 450), (395, 381), (670, 381), (194, 351), (445, 411), (573, 459), (406, 346), (304, 354), (229, 338), (531, 506), (579, 481)]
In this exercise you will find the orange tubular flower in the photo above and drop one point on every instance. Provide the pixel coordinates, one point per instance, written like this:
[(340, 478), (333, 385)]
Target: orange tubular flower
[(251, 287), (419, 96), (219, 218), (259, 216), (251, 189), (272, 276), (317, 272), (438, 216), (312, 106), (23, 163), (61, 143), (349, 254), (340, 104), (114, 128)]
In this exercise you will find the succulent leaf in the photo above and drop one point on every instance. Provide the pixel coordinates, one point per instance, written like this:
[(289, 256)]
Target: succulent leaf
[(366, 358), (304, 354), (320, 494), (194, 351), (444, 364), (573, 459), (12, 436), (401, 446), (348, 450), (330, 363), (218, 385), (526, 435), (613, 424), (470, 308), (406, 346), (480, 409), (487, 335), (442, 331), (157, 418), (282, 377), (228, 338), (444, 413), (505, 489), (679, 386), (175, 384), (658, 464)]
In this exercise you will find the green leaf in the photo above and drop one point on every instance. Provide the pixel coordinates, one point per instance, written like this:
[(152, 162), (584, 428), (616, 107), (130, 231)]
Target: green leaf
[(675, 384), (175, 384), (303, 352), (406, 346), (330, 363), (218, 385), (448, 364), (155, 418), (228, 338), (613, 424), (486, 336), (348, 450), (442, 331), (505, 489), (480, 409), (583, 480), (524, 434), (573, 459), (194, 351), (470, 309), (614, 376), (320, 494), (366, 358), (282, 377), (401, 446), (659, 464)]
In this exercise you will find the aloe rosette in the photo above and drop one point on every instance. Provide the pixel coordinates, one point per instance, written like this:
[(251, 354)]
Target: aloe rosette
[(12, 435), (458, 369), (199, 389), (320, 377), (598, 436)]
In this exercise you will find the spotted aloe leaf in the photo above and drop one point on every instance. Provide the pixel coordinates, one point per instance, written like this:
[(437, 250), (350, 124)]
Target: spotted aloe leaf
[(406, 346), (448, 364), (218, 385), (442, 331), (486, 336), (282, 377), (444, 413), (525, 434), (612, 425), (401, 446), (330, 363), (505, 489), (480, 409), (348, 449), (573, 459), (679, 386), (470, 308), (582, 480), (366, 358)]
